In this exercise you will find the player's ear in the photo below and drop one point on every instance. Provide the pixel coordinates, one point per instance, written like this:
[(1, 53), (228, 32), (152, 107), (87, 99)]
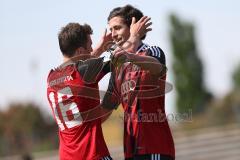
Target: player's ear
[(78, 51)]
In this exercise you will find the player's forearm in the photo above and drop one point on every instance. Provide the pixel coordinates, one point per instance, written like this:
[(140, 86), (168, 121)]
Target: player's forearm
[(147, 63), (130, 45), (97, 51), (133, 42)]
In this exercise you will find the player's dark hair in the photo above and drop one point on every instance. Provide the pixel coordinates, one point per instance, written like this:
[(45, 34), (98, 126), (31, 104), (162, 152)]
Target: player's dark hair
[(73, 36), (126, 12)]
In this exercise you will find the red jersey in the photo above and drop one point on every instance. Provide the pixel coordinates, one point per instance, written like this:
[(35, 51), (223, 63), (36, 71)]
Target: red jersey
[(67, 96), (146, 129)]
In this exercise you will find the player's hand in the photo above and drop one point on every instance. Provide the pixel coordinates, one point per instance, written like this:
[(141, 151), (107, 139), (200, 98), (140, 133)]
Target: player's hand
[(141, 27), (137, 31), (106, 40), (104, 44), (120, 57)]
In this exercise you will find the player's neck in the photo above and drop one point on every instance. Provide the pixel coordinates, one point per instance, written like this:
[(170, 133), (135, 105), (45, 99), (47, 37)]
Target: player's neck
[(66, 59), (140, 45), (82, 57)]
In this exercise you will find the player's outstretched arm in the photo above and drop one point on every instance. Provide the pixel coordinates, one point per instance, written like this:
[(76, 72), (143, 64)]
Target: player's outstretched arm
[(145, 62)]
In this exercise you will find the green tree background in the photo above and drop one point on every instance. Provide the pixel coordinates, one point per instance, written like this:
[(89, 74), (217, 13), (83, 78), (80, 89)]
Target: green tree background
[(189, 84), (188, 68), (24, 129)]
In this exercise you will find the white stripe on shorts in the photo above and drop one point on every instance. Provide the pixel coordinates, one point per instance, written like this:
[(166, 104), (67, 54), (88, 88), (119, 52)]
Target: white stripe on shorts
[(106, 158), (155, 157)]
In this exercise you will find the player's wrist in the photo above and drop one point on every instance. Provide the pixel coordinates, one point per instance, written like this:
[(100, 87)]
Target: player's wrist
[(135, 36), (135, 42)]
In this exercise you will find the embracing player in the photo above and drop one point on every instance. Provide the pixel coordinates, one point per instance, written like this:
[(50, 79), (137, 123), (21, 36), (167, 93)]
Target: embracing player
[(140, 82), (73, 92)]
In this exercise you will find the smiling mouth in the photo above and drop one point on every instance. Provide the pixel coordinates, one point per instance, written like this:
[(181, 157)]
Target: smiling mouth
[(119, 41)]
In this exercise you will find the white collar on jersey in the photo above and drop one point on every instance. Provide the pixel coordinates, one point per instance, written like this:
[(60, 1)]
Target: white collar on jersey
[(142, 47)]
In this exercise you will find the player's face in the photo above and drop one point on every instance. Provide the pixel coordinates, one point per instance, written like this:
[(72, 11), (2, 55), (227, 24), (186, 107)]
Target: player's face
[(120, 31)]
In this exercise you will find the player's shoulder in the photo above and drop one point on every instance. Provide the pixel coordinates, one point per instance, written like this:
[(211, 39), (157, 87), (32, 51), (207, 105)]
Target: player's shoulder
[(154, 51), (61, 71)]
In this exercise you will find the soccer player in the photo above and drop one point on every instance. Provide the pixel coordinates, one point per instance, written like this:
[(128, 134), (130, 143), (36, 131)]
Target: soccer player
[(140, 82), (73, 92), (68, 94)]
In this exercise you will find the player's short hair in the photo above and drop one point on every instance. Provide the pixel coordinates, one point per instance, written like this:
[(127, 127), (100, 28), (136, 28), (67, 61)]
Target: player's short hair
[(126, 12), (73, 36)]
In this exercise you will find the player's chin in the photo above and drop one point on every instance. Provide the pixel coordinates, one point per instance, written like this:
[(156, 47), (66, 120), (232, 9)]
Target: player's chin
[(120, 42)]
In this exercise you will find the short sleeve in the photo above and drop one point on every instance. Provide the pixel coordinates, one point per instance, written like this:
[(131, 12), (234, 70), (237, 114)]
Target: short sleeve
[(157, 52), (111, 100), (90, 69)]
